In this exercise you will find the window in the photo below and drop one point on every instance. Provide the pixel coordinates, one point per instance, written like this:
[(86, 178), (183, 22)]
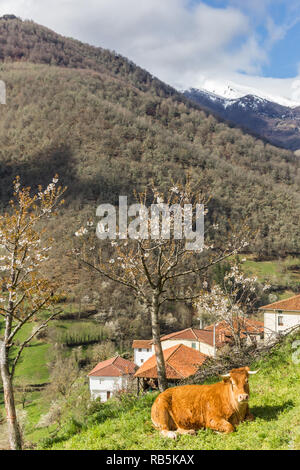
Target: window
[(140, 349), (280, 320), (142, 360), (194, 345), (147, 349)]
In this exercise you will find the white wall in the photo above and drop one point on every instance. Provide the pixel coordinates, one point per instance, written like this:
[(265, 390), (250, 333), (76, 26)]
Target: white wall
[(202, 347), (207, 349), (99, 386), (141, 356), (271, 322)]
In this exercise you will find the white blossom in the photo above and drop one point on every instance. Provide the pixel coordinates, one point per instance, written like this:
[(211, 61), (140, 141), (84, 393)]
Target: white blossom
[(82, 231)]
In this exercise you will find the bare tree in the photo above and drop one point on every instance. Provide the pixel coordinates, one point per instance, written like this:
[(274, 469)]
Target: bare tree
[(24, 291), (154, 267)]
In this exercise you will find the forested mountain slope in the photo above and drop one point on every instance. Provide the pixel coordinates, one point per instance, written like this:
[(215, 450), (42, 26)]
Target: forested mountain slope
[(108, 127), (278, 124)]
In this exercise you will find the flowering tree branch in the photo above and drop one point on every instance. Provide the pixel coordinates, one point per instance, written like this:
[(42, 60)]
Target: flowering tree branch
[(24, 292)]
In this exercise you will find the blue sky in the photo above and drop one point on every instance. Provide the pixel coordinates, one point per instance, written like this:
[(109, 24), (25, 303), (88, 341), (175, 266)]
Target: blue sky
[(276, 25), (186, 43), (284, 57)]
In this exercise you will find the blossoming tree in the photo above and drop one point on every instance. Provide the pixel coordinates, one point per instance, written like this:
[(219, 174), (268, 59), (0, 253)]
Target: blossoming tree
[(153, 267), (231, 302), (25, 294)]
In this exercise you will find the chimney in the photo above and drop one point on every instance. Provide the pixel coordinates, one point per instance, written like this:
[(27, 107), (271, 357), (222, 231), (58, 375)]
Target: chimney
[(214, 340)]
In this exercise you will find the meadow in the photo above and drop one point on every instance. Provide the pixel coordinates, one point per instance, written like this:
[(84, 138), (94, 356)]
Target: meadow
[(275, 403), (127, 424)]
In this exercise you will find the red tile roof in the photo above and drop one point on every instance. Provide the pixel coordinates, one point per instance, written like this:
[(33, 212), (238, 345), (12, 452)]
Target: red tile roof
[(141, 343), (114, 367), (289, 305), (190, 334), (223, 331), (180, 361)]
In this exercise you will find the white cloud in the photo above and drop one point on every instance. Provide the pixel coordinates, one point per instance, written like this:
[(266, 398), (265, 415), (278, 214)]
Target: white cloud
[(165, 37), (180, 45)]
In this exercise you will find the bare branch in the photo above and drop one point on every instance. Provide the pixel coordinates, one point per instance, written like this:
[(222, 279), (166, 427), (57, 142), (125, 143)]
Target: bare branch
[(27, 318), (109, 276)]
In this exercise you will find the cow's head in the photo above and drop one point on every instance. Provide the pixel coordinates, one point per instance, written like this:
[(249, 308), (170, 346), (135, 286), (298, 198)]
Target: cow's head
[(238, 379)]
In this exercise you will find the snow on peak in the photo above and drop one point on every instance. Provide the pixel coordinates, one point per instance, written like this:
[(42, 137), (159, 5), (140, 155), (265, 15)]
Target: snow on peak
[(232, 91)]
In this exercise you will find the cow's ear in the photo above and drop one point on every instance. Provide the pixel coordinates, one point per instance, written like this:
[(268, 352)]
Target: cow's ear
[(247, 368), (225, 377)]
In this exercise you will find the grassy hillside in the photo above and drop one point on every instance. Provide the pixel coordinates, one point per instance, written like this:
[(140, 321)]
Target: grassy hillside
[(282, 274), (33, 371), (105, 422), (275, 403)]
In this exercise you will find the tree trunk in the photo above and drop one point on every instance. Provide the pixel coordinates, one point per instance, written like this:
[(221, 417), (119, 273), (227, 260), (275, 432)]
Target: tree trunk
[(160, 361), (14, 434)]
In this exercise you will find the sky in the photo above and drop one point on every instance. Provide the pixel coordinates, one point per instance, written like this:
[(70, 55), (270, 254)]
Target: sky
[(186, 42)]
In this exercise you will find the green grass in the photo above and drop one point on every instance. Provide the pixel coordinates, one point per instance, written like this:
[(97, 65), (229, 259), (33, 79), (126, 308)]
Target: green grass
[(274, 397), (275, 402), (32, 366), (31, 369), (276, 272), (35, 407)]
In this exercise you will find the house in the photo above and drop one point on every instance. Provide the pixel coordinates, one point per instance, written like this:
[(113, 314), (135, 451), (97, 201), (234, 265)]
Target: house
[(142, 350), (181, 361), (110, 376), (251, 330), (200, 340), (281, 316)]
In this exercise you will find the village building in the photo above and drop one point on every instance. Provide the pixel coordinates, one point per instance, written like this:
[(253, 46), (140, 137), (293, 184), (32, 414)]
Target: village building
[(207, 340), (200, 340), (142, 350), (250, 330), (181, 362), (281, 316), (110, 376), (184, 352)]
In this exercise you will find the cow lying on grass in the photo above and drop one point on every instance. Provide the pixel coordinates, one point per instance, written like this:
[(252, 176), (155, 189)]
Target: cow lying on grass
[(220, 406)]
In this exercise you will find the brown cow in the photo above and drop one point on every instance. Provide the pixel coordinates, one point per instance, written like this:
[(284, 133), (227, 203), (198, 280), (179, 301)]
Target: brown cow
[(220, 406)]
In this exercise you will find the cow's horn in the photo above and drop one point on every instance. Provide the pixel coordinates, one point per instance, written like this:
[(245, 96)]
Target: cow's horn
[(225, 375), (253, 372)]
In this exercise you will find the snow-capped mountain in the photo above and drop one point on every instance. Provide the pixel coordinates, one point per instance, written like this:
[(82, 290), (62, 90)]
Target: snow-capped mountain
[(262, 116), (231, 91)]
